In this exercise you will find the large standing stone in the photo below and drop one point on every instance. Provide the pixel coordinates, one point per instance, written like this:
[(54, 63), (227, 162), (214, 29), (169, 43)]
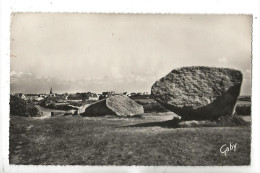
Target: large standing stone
[(115, 105), (199, 92)]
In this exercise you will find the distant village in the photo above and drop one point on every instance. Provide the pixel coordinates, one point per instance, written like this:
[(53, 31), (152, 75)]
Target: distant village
[(84, 97)]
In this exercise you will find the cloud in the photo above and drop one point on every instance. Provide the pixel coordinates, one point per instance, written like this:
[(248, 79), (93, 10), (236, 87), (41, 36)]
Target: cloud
[(248, 71), (12, 73), (19, 74), (38, 77), (16, 74), (247, 75), (223, 60)]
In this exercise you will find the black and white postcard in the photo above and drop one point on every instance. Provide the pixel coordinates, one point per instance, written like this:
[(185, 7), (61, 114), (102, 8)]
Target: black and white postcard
[(130, 89)]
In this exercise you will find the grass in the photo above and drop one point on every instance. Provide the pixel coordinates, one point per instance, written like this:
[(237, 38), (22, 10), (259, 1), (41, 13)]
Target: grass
[(110, 141)]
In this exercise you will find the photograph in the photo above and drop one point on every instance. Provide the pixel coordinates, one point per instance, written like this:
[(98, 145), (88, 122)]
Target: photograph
[(125, 89)]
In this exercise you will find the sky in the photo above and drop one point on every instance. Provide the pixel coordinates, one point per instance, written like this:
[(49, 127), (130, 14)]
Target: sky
[(77, 52)]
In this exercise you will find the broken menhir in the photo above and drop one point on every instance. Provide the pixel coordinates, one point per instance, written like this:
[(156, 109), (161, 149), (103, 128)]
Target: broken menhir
[(199, 92), (120, 105)]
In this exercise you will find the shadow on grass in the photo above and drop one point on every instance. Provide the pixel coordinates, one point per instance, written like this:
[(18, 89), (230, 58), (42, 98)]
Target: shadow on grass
[(195, 124), (165, 124)]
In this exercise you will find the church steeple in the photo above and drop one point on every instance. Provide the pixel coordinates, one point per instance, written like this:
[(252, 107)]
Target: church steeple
[(51, 91)]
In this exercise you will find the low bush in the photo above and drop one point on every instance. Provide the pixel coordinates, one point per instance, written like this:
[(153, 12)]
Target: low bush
[(244, 98), (52, 105), (75, 103), (24, 108), (243, 109), (231, 120)]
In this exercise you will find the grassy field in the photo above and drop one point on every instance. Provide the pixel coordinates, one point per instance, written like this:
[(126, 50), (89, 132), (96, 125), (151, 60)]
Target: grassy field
[(126, 141)]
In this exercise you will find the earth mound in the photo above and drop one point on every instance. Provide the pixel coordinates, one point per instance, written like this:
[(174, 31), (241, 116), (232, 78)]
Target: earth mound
[(120, 105), (199, 92)]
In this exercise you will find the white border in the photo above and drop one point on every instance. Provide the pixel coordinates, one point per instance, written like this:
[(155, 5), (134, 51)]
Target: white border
[(123, 6)]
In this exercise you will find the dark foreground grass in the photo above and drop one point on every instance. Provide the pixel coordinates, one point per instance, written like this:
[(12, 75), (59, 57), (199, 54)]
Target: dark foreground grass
[(110, 141)]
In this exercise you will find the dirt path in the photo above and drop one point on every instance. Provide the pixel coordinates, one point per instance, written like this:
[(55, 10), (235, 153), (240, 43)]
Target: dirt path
[(246, 118), (47, 112)]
